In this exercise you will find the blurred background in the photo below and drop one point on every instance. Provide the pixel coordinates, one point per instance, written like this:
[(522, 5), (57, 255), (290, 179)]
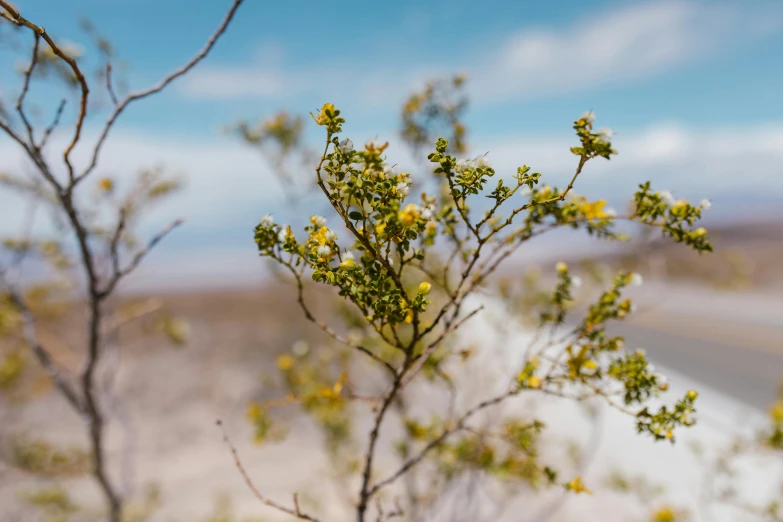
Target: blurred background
[(692, 91)]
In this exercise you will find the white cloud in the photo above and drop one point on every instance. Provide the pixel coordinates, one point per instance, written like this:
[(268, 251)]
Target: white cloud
[(236, 82), (710, 162), (222, 178), (632, 42)]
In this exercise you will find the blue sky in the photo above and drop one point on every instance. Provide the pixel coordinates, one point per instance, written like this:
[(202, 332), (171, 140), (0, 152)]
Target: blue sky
[(691, 88)]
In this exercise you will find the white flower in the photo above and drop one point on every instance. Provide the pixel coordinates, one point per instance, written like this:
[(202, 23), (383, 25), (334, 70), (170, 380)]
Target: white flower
[(403, 188), (330, 236), (323, 251), (667, 197), (345, 146), (526, 191), (576, 282), (465, 164), (641, 352), (348, 256), (426, 214), (388, 172), (300, 348), (589, 116), (481, 161), (610, 213), (605, 134), (283, 234), (318, 221), (651, 368), (636, 279), (705, 204), (267, 220)]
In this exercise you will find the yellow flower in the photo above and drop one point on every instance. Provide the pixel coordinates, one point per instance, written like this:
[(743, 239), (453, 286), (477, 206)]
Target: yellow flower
[(253, 411), (561, 267), (375, 147), (326, 113), (409, 215), (593, 211), (409, 316), (348, 264), (534, 382), (577, 486), (106, 184), (692, 394), (424, 288), (664, 514), (776, 412), (379, 228), (700, 232), (285, 362), (591, 365)]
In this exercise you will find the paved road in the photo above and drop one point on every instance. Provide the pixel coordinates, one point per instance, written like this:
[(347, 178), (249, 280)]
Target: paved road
[(743, 361)]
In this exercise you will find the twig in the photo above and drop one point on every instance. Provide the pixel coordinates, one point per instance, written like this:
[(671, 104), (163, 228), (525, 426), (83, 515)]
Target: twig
[(25, 87), (109, 87), (295, 511), (53, 125), (323, 326), (158, 87), (18, 19), (458, 425), (43, 356), (120, 273)]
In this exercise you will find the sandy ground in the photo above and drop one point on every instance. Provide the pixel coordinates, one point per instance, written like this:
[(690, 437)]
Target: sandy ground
[(173, 396)]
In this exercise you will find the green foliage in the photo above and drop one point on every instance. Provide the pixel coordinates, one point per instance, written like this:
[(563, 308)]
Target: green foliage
[(391, 263), (45, 459)]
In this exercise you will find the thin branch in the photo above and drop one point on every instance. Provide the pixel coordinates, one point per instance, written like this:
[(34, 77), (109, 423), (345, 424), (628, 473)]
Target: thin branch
[(53, 125), (295, 511), (158, 87), (43, 356), (109, 86), (366, 493), (323, 326), (25, 87), (120, 273), (458, 425), (422, 359), (18, 19)]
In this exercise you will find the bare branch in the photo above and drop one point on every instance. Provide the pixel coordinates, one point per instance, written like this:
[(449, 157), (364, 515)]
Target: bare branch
[(295, 511), (18, 19), (53, 125), (43, 356), (109, 86), (422, 359), (25, 87), (158, 87), (457, 426), (120, 273)]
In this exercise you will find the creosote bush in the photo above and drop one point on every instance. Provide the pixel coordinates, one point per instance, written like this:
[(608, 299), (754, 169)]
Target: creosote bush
[(407, 263)]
